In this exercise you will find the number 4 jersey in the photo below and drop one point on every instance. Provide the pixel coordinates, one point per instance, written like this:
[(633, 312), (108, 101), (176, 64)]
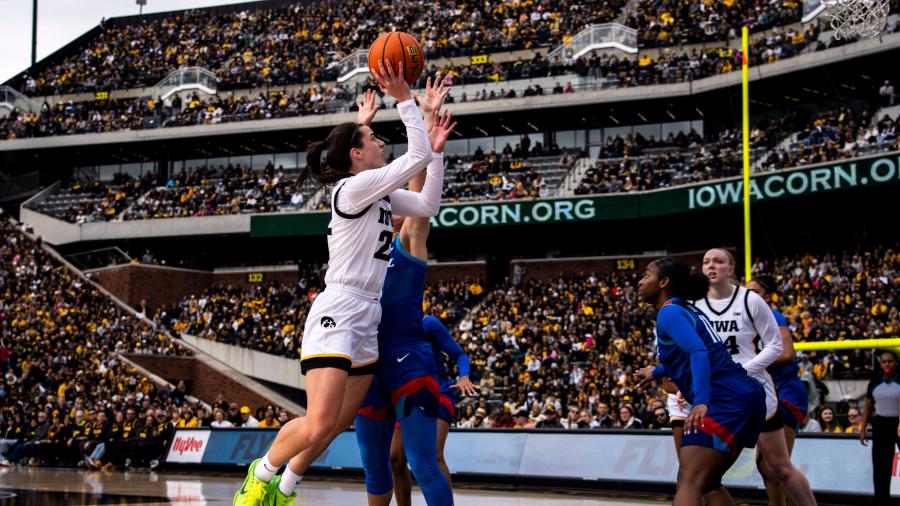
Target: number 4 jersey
[(740, 320)]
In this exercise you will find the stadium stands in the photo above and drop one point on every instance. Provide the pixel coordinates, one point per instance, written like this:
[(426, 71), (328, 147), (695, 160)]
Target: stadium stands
[(59, 340), (270, 318), (287, 46), (574, 341), (624, 164), (636, 163)]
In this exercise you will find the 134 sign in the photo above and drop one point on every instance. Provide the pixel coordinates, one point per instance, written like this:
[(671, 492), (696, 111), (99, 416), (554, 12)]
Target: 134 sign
[(625, 264)]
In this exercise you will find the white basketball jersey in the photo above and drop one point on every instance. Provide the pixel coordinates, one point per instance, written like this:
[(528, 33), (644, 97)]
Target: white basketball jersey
[(732, 321), (359, 245)]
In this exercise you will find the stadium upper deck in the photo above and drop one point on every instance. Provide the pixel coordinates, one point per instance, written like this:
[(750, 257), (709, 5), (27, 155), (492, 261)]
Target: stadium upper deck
[(295, 42)]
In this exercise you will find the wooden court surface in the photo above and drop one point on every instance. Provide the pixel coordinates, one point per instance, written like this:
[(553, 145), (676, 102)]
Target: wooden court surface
[(72, 487)]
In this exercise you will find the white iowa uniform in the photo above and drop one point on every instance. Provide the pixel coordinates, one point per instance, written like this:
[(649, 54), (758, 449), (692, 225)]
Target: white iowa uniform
[(341, 329), (747, 326)]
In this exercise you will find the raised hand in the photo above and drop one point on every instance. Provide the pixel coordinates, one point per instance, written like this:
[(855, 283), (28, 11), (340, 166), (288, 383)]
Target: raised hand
[(367, 108), (433, 98), (440, 130), (392, 82), (465, 386)]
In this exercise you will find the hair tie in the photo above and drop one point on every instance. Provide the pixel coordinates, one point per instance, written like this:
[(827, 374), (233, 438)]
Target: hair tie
[(323, 158)]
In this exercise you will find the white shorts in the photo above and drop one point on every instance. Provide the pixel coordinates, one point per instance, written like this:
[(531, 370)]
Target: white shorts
[(676, 412), (771, 397), (341, 331)]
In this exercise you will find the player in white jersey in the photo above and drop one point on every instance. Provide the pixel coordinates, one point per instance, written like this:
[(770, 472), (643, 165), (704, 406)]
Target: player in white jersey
[(747, 325), (340, 349)]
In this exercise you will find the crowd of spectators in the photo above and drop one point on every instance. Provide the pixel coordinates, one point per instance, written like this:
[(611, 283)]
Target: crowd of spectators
[(67, 118), (630, 163), (636, 163), (561, 353), (64, 389), (265, 318), (514, 173), (270, 318), (608, 69), (66, 397), (210, 191), (675, 22), (85, 201), (301, 43), (99, 116), (298, 44)]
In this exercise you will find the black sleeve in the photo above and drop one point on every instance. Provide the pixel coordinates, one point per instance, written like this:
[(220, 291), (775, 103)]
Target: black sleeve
[(871, 388)]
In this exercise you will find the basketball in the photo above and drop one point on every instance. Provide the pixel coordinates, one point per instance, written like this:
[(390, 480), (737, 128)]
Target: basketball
[(397, 47)]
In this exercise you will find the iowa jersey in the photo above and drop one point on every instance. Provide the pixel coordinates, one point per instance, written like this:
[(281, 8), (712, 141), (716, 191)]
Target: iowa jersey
[(359, 245), (401, 301), (731, 319)]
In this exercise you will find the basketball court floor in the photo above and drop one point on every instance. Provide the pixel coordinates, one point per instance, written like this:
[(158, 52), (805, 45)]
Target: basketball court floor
[(71, 487)]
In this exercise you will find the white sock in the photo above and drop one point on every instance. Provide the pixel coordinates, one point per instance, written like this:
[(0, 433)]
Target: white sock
[(289, 481), (265, 470)]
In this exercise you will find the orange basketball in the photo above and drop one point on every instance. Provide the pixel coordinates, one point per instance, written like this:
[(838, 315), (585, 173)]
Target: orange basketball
[(397, 47)]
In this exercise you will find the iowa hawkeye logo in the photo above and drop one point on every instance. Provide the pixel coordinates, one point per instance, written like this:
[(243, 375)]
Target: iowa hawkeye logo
[(328, 322)]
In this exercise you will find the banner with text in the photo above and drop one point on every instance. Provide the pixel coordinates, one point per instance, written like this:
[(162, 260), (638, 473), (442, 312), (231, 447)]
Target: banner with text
[(834, 176), (580, 456)]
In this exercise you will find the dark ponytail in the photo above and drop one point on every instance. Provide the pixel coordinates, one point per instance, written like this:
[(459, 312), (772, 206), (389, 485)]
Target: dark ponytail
[(683, 283), (767, 283), (329, 161)]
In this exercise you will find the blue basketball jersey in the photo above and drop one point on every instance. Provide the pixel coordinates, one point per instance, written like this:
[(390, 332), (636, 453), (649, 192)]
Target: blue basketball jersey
[(783, 372), (678, 325), (401, 301)]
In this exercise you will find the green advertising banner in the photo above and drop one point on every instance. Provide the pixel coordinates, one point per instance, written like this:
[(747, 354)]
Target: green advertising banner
[(876, 170)]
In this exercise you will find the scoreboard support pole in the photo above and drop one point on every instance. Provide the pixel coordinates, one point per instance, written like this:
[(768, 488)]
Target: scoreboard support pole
[(745, 99)]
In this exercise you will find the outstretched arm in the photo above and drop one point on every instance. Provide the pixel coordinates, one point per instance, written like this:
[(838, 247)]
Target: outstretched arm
[(428, 201), (674, 323), (445, 342), (371, 185)]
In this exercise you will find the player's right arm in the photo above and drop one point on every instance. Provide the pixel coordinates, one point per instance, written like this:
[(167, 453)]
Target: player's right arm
[(369, 186)]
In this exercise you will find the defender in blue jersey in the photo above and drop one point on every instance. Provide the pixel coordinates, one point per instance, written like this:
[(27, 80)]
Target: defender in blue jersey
[(441, 343), (792, 395), (728, 405), (405, 390)]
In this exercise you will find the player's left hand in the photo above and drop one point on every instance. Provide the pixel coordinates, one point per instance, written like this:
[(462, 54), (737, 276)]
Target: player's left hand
[(367, 108), (465, 386), (433, 98), (440, 130), (695, 420), (645, 374)]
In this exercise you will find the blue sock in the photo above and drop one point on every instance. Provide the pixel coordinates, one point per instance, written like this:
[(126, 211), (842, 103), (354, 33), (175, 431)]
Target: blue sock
[(374, 438), (419, 433)]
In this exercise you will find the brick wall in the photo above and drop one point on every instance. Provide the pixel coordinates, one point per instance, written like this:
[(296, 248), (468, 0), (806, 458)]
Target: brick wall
[(165, 286), (456, 270), (550, 269), (203, 381)]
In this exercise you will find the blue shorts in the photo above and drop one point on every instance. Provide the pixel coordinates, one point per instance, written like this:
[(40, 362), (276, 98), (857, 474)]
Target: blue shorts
[(400, 365), (794, 402), (407, 379), (735, 415), (447, 407)]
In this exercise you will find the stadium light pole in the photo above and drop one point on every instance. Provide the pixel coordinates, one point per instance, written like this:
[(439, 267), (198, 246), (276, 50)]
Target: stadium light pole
[(34, 7), (745, 99)]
